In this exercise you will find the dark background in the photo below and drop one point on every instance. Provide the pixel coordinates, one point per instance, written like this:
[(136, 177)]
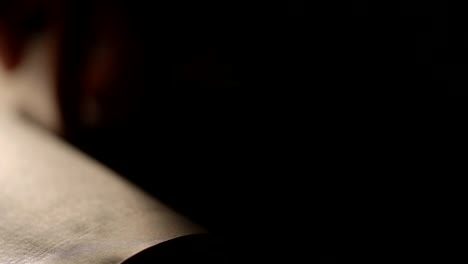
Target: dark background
[(372, 82)]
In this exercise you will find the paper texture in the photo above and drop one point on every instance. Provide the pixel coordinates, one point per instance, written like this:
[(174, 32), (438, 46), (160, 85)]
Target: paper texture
[(58, 206)]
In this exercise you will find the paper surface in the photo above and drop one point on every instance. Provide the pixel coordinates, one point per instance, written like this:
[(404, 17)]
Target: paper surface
[(58, 206)]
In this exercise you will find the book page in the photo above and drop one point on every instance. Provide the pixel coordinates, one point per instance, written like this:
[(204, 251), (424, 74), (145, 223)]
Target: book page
[(59, 206)]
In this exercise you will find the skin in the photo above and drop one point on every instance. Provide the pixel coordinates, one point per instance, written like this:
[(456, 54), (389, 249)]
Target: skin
[(90, 50)]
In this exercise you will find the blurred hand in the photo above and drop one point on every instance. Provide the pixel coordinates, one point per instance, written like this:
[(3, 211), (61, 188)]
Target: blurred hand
[(89, 52), (109, 56)]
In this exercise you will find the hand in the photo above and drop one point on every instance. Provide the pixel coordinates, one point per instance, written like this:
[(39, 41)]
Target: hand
[(89, 52)]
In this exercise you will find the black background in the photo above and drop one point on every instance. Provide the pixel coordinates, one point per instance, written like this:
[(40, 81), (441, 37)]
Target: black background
[(371, 85)]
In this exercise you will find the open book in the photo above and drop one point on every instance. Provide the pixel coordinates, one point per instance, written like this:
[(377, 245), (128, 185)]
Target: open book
[(59, 206)]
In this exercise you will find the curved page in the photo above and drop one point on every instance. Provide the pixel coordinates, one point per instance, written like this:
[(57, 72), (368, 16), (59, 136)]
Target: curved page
[(58, 206)]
